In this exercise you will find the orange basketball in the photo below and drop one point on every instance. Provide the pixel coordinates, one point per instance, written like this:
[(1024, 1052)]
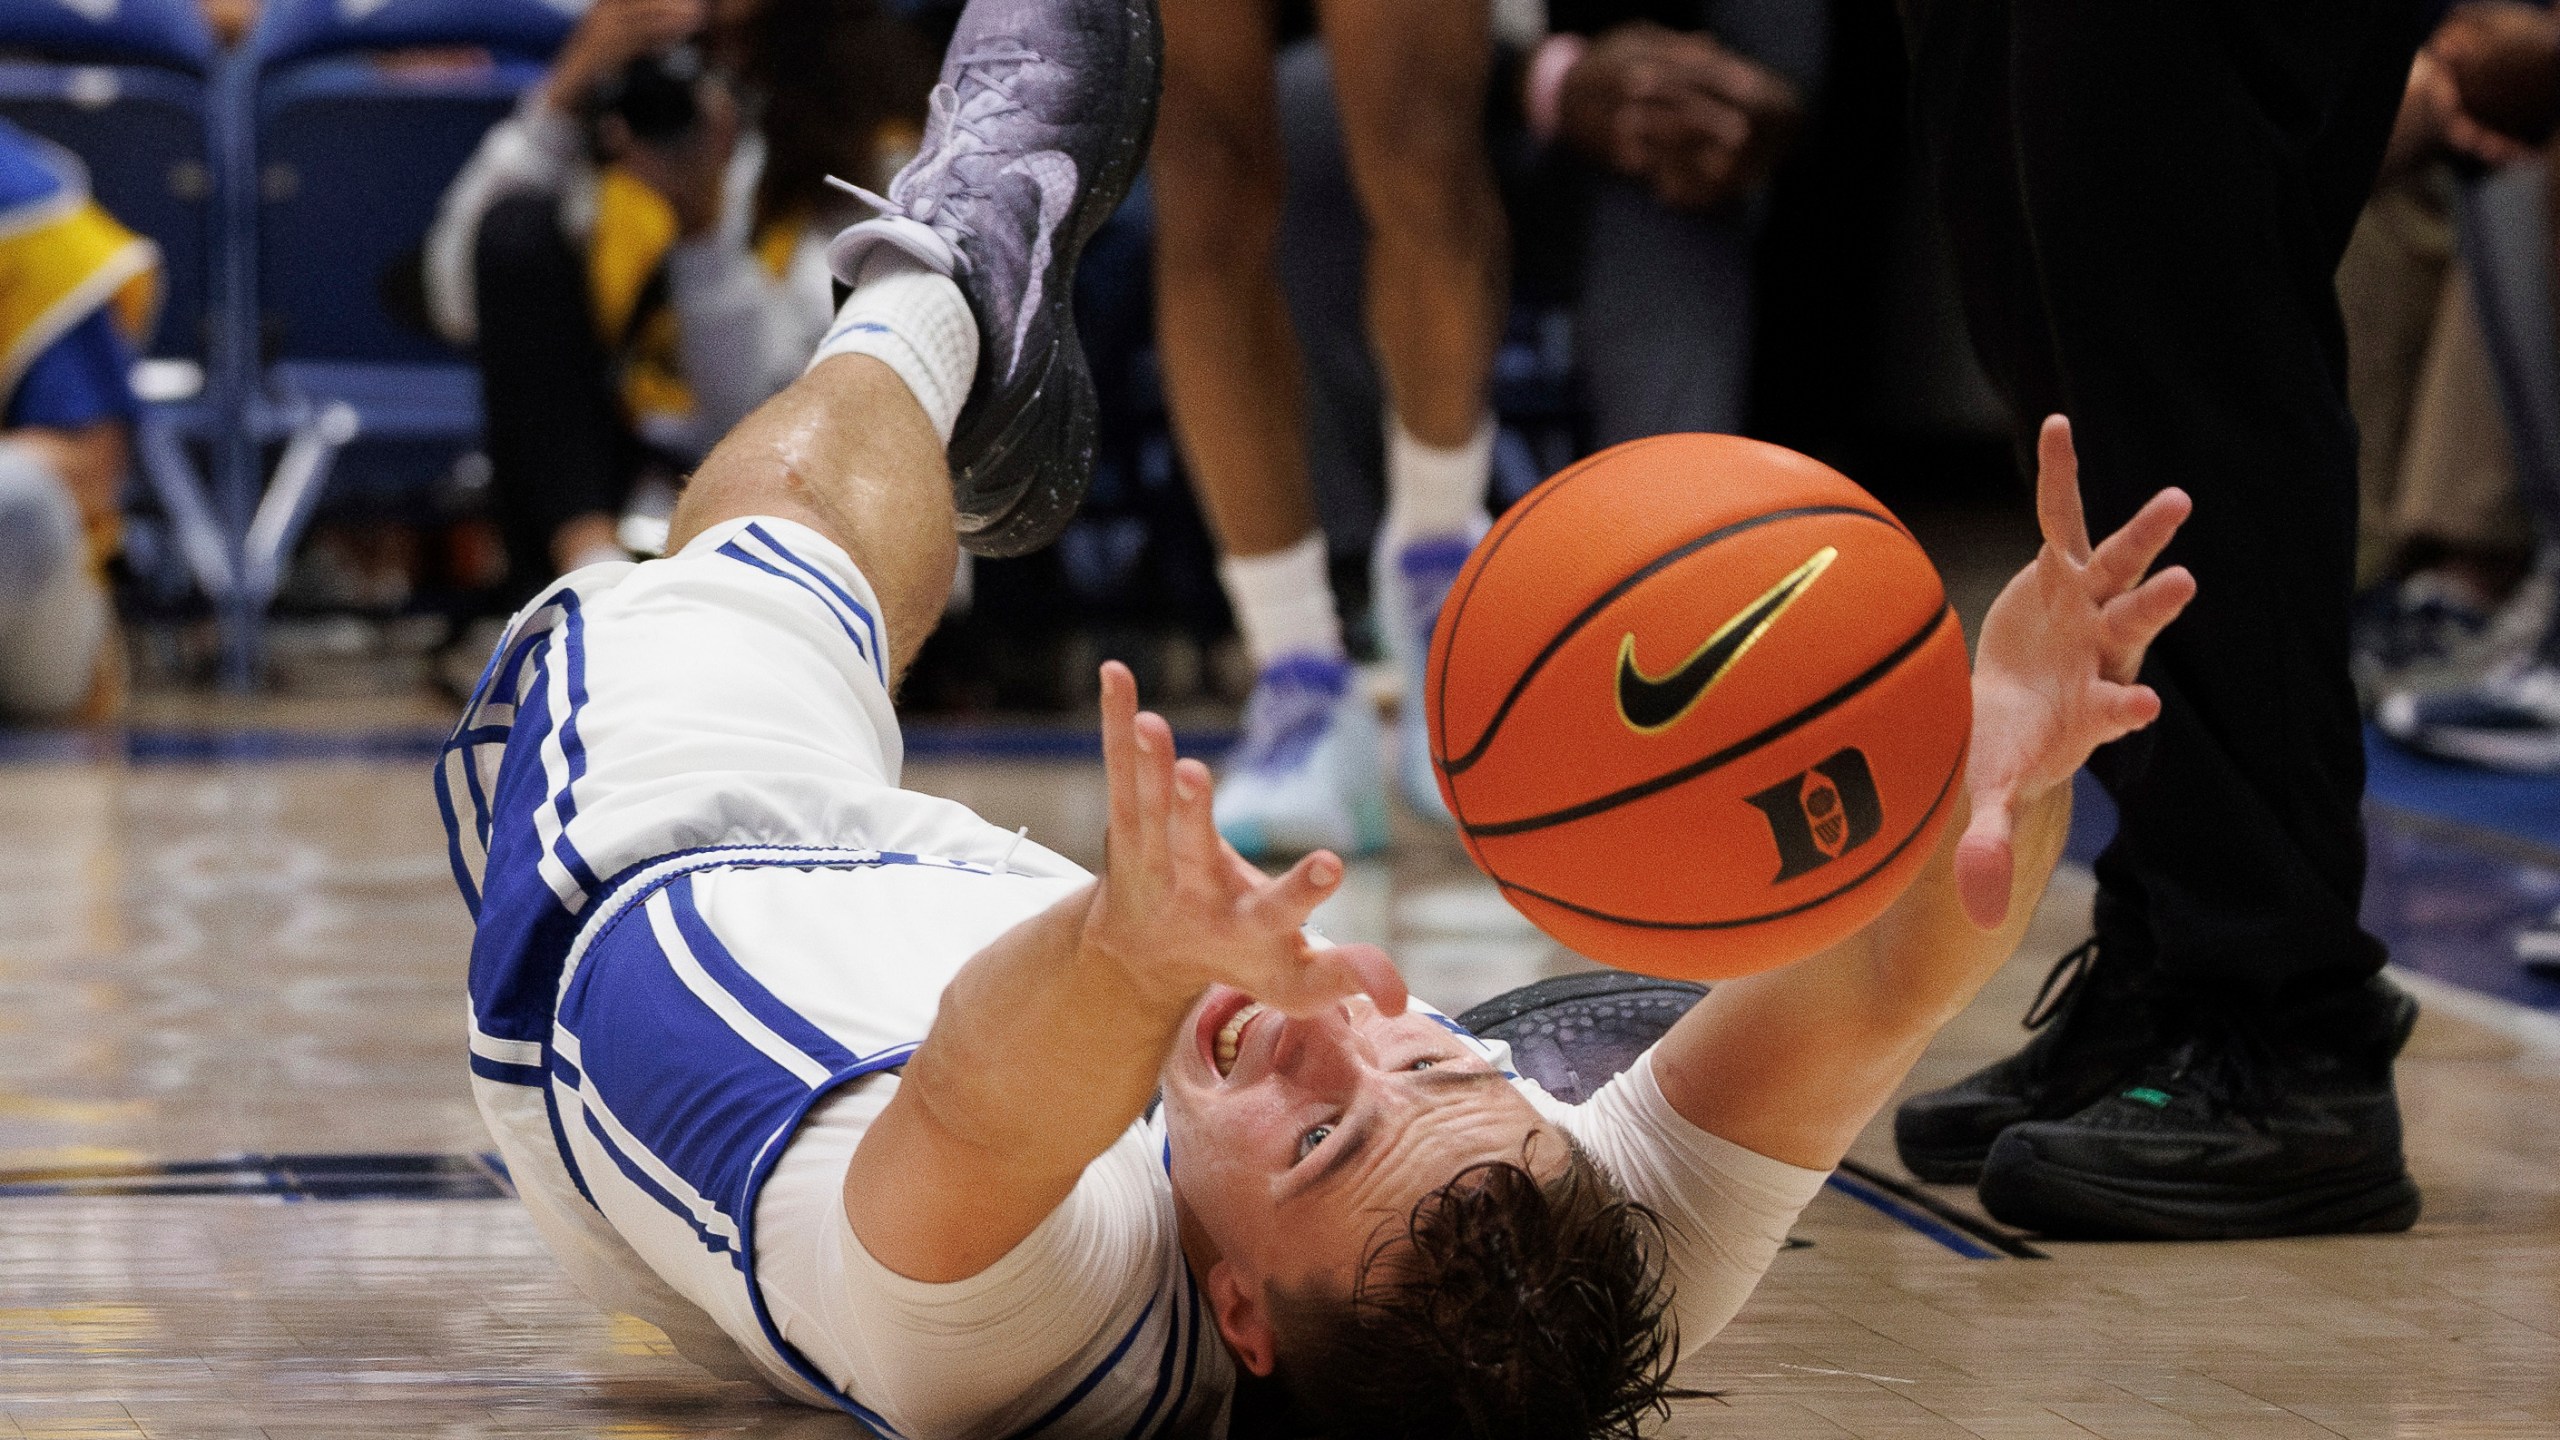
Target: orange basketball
[(1699, 704)]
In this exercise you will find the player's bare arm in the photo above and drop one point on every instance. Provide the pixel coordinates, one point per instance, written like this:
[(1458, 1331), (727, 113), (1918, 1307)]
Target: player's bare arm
[(1792, 1063), (1048, 1044)]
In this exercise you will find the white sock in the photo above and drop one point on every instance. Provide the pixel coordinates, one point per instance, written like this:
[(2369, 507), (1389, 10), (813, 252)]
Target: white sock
[(1284, 602), (1433, 492), (912, 319)]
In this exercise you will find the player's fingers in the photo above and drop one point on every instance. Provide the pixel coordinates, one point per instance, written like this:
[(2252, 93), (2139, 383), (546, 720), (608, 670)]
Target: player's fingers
[(1192, 834), (2126, 556), (2135, 619), (1984, 864), (2127, 708), (1119, 754), (2058, 512), (1285, 903), (1154, 783), (1344, 969)]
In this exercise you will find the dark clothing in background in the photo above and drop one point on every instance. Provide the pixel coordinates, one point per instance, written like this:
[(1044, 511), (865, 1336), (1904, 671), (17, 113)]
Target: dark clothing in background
[(2147, 205), (559, 444)]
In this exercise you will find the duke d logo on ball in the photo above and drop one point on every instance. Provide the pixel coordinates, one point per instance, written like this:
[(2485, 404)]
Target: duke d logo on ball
[(1821, 814)]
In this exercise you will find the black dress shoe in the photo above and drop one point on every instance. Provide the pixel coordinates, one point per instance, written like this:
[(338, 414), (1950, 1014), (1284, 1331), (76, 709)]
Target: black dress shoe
[(2248, 1128), (2094, 1024)]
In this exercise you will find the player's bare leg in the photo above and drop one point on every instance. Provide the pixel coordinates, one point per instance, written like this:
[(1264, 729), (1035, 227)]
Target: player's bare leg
[(950, 404), (847, 451)]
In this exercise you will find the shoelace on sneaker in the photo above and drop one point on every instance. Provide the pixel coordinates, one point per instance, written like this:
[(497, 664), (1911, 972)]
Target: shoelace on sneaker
[(2061, 983), (955, 132), (2226, 1063)]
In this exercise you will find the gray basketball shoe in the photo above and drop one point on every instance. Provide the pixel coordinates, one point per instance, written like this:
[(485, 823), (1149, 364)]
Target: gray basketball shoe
[(1037, 128)]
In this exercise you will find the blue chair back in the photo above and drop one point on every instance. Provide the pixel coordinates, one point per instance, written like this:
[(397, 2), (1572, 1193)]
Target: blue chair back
[(292, 30), (166, 33), (353, 159), (120, 84)]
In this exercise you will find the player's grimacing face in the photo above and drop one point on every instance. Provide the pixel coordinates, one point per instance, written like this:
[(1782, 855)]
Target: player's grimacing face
[(1294, 1141)]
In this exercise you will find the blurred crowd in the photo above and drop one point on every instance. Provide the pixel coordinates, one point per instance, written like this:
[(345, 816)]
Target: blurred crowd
[(1380, 280)]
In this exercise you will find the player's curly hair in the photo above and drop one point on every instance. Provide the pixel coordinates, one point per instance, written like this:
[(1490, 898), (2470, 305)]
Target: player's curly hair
[(1508, 1306)]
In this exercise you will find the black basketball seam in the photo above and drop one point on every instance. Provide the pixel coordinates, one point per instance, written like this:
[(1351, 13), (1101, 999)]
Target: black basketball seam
[(1796, 909), (1508, 526), (1774, 731), (1457, 765)]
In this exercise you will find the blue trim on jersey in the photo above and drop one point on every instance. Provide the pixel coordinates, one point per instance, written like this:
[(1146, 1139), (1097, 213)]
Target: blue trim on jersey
[(712, 1241), (560, 1132), (695, 1093), (725, 970), (1164, 1374), (1084, 1387), (1190, 1346), (504, 1073), (564, 804), (739, 553), (869, 622)]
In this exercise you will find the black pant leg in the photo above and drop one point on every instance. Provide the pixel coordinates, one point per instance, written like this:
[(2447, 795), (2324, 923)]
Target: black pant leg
[(558, 443), (2184, 176)]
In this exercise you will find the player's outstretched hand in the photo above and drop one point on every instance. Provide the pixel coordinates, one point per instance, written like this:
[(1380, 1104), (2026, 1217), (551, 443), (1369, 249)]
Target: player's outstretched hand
[(1180, 909), (2053, 674)]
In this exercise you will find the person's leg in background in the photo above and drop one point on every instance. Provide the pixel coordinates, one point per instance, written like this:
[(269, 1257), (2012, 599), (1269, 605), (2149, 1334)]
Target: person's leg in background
[(561, 453), (1322, 266), (1410, 85), (2170, 191), (2442, 538), (1409, 82), (55, 615), (1306, 771)]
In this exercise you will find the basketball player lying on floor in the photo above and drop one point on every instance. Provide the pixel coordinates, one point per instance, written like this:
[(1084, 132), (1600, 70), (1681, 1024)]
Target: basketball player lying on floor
[(849, 1090)]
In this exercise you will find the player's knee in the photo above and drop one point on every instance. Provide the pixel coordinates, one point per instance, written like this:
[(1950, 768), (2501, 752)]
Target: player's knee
[(1430, 183), (1219, 175), (39, 525)]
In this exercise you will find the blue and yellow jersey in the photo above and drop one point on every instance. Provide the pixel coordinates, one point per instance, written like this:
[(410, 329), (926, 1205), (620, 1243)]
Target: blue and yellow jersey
[(77, 291)]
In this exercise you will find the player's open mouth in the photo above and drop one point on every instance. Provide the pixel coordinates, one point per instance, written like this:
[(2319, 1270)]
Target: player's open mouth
[(1231, 1037)]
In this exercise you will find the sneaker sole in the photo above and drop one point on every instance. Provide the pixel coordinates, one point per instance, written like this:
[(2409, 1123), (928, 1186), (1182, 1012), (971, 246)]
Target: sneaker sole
[(1052, 424), (2539, 754), (2069, 1204), (1943, 1166)]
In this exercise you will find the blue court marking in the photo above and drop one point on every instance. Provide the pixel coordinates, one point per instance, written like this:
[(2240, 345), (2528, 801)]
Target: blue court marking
[(391, 1176), (1892, 1208)]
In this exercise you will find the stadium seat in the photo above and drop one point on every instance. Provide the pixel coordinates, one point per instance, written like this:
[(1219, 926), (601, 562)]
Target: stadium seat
[(334, 170), (127, 88)]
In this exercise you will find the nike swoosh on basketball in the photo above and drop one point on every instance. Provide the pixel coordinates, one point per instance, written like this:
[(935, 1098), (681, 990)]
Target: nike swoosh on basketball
[(1649, 703)]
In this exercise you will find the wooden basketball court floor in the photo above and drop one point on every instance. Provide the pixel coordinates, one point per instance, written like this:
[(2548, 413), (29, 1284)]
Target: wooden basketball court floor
[(257, 965)]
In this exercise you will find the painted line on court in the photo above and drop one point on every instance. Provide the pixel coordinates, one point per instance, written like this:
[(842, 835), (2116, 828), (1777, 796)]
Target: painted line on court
[(1892, 1207), (332, 1177), (2007, 1242)]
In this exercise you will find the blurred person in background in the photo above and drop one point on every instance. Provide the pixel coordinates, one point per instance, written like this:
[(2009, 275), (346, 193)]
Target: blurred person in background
[(1633, 142), (1658, 124), (637, 256), (2443, 540), (2501, 63), (1409, 79), (2147, 207), (77, 294)]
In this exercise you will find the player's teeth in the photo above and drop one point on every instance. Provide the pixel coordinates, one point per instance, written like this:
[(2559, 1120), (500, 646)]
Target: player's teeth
[(1231, 1033)]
